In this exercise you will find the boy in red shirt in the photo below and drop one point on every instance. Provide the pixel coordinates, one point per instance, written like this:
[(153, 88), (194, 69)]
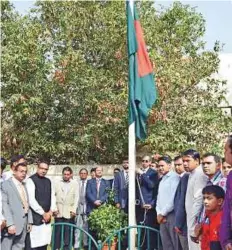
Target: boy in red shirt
[(208, 231)]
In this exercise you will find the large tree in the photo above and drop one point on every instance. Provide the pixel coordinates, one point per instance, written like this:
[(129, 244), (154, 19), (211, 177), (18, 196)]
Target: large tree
[(64, 74)]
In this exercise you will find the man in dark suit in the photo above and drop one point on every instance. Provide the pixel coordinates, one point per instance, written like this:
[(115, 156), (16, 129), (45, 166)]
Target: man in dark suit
[(16, 209), (96, 194), (146, 194), (179, 204), (121, 182), (111, 181), (96, 191)]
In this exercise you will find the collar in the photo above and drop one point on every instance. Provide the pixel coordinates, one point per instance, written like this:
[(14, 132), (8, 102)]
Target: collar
[(145, 170), (16, 182), (181, 175), (66, 181)]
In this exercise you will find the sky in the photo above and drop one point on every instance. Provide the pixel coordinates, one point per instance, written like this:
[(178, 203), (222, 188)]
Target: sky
[(218, 16)]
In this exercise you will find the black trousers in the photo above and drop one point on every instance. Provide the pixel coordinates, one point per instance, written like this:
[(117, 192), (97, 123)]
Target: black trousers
[(147, 219), (66, 236), (40, 248)]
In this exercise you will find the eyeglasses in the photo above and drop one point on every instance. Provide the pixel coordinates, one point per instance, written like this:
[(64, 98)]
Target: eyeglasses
[(145, 161)]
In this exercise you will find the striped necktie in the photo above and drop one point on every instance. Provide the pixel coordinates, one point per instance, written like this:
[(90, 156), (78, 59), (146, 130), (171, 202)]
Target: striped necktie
[(127, 179)]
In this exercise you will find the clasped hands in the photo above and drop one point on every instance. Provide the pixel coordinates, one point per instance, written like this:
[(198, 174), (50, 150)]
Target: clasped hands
[(97, 203)]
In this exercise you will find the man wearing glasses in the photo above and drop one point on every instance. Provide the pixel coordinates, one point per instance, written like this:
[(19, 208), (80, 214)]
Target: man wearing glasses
[(146, 193), (43, 204)]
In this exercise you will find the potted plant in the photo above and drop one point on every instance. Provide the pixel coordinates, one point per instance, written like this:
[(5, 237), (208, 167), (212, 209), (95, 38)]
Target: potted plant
[(107, 219)]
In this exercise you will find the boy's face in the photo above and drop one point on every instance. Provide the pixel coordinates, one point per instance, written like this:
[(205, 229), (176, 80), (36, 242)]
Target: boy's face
[(212, 203)]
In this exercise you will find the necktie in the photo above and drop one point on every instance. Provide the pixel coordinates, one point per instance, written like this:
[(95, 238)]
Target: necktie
[(98, 187), (23, 198), (82, 194), (127, 179)]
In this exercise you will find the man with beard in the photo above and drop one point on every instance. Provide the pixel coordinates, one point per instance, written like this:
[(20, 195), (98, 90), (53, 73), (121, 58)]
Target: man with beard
[(121, 182)]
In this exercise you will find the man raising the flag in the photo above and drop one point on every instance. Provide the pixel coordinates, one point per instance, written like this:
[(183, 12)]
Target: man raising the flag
[(142, 95)]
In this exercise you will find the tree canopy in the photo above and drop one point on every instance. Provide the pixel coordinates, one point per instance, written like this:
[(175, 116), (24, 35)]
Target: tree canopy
[(64, 81)]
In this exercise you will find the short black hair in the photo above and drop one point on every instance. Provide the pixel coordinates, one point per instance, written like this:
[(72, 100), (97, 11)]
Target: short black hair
[(230, 142), (3, 163), (117, 169), (217, 158), (177, 157), (93, 170), (165, 158), (44, 160), (15, 158), (217, 191), (83, 169), (193, 153), (22, 164), (67, 169)]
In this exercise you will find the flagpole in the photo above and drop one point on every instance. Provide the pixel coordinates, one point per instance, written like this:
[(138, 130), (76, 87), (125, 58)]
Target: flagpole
[(132, 164), (131, 189)]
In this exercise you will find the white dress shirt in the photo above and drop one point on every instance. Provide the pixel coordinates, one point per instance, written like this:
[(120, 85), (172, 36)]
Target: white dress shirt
[(33, 202)]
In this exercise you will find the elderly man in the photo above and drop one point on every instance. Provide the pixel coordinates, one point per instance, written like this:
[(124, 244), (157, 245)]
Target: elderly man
[(226, 226)]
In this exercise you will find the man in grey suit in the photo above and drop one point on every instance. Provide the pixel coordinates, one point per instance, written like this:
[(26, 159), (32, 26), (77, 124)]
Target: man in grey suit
[(81, 240), (16, 210)]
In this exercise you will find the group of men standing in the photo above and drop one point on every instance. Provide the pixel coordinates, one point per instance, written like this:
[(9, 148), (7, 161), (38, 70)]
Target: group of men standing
[(167, 199)]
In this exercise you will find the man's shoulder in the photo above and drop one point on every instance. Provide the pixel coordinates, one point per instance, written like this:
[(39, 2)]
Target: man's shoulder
[(4, 184), (151, 171)]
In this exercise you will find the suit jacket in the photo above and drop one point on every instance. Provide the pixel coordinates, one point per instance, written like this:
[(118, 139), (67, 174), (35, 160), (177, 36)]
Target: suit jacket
[(66, 203), (12, 206), (81, 208), (194, 198), (179, 204), (121, 190), (226, 225), (149, 187), (91, 193)]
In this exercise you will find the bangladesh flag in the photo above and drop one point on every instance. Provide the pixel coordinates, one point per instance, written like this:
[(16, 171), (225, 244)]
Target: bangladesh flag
[(142, 90)]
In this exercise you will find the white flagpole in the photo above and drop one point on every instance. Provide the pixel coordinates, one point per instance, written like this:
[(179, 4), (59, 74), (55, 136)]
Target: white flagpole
[(132, 164), (131, 189)]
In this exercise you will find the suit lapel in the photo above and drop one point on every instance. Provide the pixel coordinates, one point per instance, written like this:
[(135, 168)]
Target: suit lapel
[(15, 189)]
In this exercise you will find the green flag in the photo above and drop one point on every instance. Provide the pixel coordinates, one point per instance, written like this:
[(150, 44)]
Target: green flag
[(142, 90)]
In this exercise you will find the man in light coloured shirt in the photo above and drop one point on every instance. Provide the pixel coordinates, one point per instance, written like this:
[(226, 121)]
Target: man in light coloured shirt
[(179, 204), (194, 198), (43, 203), (15, 159), (67, 194), (165, 203)]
